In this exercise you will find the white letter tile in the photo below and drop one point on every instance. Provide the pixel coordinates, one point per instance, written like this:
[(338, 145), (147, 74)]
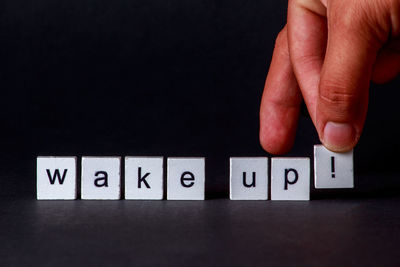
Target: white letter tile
[(185, 178), (333, 170), (249, 178), (290, 179), (144, 178), (56, 178), (101, 178)]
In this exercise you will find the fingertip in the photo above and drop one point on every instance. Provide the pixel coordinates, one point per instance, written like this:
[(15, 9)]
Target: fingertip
[(339, 137), (278, 129), (274, 146)]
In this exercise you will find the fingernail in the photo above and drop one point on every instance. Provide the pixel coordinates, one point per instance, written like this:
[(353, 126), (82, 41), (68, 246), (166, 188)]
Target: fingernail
[(339, 137)]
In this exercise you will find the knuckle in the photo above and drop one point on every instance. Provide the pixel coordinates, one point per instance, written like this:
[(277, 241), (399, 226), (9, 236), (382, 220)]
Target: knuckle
[(281, 44), (364, 18), (347, 17), (337, 99), (281, 39)]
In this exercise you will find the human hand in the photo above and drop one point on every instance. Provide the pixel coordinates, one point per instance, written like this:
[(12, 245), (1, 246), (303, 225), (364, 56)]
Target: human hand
[(327, 54)]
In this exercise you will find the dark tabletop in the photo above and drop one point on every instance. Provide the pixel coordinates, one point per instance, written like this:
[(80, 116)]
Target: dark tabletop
[(330, 230)]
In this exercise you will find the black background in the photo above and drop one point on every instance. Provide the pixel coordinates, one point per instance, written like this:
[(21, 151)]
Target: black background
[(168, 78), (157, 77)]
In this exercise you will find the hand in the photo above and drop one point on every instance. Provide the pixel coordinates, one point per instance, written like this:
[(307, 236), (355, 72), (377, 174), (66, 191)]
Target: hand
[(327, 54)]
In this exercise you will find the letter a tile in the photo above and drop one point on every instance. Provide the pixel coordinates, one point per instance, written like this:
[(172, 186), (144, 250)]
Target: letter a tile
[(185, 178), (290, 179), (249, 178), (101, 178), (56, 178)]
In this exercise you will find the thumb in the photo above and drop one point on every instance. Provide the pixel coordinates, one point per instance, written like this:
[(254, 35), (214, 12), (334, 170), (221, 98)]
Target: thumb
[(354, 38)]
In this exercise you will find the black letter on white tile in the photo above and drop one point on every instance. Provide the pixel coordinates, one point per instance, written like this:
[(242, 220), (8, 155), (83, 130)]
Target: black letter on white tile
[(296, 177), (52, 178), (190, 178), (104, 179), (142, 179), (253, 182)]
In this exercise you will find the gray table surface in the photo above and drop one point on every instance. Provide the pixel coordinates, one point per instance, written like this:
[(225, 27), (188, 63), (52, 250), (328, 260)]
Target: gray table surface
[(334, 231)]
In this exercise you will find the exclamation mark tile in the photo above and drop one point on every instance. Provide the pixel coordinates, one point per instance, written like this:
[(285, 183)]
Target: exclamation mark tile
[(332, 170)]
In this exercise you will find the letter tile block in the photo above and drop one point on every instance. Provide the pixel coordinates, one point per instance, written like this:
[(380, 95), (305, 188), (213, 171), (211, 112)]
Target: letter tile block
[(101, 178), (290, 179), (144, 178), (333, 170), (56, 178), (185, 178), (249, 178)]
